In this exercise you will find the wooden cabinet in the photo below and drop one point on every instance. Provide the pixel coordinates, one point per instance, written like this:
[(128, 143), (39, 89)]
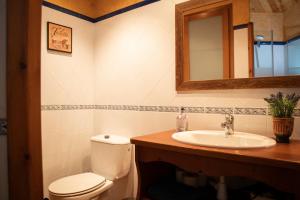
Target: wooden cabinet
[(278, 166)]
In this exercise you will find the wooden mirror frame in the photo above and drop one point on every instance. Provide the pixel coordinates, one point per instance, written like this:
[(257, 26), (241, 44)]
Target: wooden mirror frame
[(196, 6), (227, 38)]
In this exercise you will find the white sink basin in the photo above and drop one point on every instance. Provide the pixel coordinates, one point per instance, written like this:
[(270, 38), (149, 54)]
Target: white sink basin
[(238, 140)]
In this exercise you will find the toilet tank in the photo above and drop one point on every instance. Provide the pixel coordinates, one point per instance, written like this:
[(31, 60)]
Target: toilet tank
[(110, 156)]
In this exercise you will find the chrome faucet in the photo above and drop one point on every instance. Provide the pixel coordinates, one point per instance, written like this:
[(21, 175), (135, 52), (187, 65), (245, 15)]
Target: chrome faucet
[(228, 124)]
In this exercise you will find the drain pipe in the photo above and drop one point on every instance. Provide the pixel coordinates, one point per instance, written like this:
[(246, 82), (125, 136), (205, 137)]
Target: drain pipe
[(222, 189)]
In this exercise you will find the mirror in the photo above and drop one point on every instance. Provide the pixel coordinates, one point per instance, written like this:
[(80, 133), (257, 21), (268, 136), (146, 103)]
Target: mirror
[(207, 44), (277, 37), (237, 44), (208, 38)]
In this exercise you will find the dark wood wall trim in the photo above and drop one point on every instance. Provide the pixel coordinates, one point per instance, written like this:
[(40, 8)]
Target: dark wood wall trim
[(243, 83), (23, 99), (242, 26), (251, 49)]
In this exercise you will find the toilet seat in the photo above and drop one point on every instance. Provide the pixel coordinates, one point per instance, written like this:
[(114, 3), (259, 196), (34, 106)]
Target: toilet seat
[(76, 185)]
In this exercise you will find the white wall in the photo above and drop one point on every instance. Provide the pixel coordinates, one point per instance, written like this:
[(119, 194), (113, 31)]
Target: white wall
[(67, 80), (3, 139), (241, 64), (135, 65)]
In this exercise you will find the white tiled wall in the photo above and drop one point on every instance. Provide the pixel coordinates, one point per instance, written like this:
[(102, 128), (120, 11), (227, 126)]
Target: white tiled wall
[(67, 79), (126, 60), (135, 65)]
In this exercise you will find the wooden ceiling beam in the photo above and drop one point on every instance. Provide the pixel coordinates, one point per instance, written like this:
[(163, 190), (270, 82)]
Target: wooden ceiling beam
[(274, 6), (103, 8), (84, 7), (256, 6), (94, 8), (280, 5)]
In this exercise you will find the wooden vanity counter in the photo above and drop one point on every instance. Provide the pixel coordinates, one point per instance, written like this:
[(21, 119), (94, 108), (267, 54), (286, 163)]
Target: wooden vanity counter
[(278, 166)]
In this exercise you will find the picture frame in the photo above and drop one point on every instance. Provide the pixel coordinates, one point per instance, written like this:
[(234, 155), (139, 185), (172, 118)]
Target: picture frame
[(59, 38)]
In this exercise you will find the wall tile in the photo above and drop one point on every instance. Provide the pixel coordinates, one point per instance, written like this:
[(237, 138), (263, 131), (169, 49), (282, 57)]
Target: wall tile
[(66, 143)]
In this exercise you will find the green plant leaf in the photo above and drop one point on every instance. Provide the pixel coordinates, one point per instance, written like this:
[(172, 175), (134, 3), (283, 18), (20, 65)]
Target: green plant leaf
[(282, 106)]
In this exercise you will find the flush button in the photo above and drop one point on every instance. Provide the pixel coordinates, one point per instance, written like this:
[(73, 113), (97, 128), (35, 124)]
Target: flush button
[(106, 137)]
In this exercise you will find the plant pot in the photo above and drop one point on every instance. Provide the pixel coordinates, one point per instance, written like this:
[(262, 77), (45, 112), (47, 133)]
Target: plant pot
[(283, 129)]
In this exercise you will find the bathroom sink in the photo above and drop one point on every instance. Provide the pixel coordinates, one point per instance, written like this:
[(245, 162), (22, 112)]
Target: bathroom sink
[(238, 140)]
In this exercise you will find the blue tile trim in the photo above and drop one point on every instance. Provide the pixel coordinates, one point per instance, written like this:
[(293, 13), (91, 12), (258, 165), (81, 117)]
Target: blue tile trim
[(104, 17), (279, 43), (293, 39), (67, 11), (123, 10), (269, 43)]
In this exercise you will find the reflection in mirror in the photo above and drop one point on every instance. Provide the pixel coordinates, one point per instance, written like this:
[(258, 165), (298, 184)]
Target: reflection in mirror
[(255, 45), (206, 49), (207, 44), (277, 37)]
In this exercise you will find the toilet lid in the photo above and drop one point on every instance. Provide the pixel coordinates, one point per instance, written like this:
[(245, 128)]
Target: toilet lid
[(73, 185)]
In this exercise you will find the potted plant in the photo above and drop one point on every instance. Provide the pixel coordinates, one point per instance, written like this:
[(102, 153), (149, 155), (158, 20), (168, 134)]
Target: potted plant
[(282, 109)]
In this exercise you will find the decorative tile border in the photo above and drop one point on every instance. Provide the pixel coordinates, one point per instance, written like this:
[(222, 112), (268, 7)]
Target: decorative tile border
[(3, 127), (218, 110), (67, 107), (194, 109), (188, 109), (297, 112), (250, 111)]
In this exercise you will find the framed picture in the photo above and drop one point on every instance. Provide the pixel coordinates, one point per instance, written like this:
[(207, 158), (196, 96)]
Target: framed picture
[(59, 38)]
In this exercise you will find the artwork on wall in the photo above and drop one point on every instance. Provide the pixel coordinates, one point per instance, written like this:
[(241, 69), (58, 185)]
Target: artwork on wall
[(59, 38)]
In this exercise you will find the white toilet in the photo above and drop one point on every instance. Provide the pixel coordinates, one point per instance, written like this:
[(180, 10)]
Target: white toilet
[(110, 160)]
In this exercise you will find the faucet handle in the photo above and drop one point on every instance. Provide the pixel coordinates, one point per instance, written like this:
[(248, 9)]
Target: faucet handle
[(229, 117), (223, 125), (228, 124)]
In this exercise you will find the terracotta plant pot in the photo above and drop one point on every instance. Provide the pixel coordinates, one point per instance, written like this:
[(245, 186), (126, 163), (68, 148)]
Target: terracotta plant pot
[(283, 129)]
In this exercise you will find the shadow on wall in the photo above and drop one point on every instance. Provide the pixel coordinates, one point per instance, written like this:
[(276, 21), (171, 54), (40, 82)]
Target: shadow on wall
[(59, 53)]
